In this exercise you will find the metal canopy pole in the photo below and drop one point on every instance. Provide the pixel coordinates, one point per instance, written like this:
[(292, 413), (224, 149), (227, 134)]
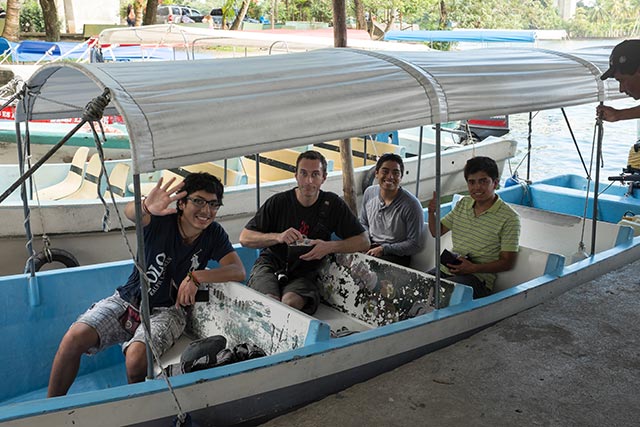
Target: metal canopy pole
[(257, 182), (529, 147), (31, 263), (596, 184), (419, 163), (142, 264), (438, 225)]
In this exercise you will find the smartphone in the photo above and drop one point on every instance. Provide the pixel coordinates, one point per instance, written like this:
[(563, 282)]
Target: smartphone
[(447, 257)]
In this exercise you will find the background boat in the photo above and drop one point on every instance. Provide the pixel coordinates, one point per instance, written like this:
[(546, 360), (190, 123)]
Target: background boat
[(76, 225)]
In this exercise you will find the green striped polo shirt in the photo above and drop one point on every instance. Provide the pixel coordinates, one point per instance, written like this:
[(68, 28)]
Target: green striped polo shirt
[(482, 238)]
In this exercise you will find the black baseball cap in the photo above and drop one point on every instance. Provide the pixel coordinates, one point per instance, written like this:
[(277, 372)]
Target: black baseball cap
[(625, 59)]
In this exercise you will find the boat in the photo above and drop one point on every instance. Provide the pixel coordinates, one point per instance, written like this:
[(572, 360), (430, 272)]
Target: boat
[(376, 315)]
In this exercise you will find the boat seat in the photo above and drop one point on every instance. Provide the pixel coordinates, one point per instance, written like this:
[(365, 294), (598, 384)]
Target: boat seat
[(118, 180), (374, 149), (375, 291), (146, 187), (290, 157), (89, 187), (531, 263), (233, 177), (72, 182), (267, 173), (244, 315)]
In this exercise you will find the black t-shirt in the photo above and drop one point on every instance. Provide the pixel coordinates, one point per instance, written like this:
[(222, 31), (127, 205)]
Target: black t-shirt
[(169, 260), (329, 214)]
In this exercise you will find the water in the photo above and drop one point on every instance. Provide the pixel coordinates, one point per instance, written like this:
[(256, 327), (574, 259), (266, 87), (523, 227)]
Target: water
[(553, 150)]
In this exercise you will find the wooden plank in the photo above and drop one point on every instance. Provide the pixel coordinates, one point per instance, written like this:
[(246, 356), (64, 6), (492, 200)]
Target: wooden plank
[(233, 177), (267, 173)]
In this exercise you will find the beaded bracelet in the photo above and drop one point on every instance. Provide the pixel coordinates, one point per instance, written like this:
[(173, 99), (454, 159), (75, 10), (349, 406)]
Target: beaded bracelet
[(193, 279), (145, 209)]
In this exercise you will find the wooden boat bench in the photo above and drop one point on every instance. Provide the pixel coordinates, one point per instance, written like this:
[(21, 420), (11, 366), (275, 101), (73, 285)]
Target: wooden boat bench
[(233, 177), (287, 158), (374, 149), (244, 315), (267, 173), (531, 262), (375, 291), (564, 232)]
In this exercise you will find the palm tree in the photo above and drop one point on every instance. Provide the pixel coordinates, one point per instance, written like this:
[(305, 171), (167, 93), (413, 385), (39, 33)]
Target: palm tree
[(50, 15), (11, 30)]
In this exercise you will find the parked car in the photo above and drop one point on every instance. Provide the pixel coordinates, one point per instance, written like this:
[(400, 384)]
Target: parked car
[(216, 14), (192, 13), (176, 13)]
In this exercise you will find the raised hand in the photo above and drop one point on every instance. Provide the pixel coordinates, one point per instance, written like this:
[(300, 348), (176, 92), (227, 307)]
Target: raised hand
[(161, 196)]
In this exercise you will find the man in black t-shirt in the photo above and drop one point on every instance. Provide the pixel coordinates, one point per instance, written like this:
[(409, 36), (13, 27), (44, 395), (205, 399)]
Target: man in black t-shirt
[(303, 216), (178, 244)]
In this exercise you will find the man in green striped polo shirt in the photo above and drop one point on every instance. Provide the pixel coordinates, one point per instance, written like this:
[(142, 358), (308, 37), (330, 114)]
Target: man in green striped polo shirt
[(485, 230)]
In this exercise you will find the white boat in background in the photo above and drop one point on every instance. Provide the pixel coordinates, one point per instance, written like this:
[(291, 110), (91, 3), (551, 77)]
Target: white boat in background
[(75, 225), (382, 315)]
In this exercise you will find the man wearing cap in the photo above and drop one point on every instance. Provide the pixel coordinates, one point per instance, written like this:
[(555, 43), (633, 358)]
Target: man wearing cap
[(624, 66)]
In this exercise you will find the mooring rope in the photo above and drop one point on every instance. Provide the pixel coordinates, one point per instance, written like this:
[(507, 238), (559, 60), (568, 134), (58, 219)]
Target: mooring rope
[(93, 113)]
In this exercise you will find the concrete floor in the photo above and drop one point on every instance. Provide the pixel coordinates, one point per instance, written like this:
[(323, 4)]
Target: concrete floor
[(573, 361)]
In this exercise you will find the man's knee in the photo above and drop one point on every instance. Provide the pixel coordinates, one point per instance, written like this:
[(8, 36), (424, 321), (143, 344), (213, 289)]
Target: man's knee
[(293, 300), (136, 362), (79, 339)]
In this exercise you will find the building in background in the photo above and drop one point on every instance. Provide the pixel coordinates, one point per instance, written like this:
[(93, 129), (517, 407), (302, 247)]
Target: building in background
[(75, 13), (566, 8)]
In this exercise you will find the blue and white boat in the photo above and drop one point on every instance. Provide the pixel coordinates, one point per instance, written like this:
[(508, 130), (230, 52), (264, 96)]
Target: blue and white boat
[(373, 299)]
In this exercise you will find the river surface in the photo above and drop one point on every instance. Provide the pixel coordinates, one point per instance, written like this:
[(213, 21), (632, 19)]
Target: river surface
[(553, 149)]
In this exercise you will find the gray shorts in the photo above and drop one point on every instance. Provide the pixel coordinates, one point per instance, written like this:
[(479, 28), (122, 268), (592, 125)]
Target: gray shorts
[(167, 324), (263, 278)]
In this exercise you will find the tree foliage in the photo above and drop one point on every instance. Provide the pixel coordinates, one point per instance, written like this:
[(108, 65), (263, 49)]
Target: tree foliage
[(606, 18)]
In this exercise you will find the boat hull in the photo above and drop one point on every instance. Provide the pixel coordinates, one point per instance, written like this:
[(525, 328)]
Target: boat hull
[(263, 388)]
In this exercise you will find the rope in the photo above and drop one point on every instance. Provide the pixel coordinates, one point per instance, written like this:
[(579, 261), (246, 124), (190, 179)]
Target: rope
[(93, 112), (142, 274), (581, 245), (527, 154)]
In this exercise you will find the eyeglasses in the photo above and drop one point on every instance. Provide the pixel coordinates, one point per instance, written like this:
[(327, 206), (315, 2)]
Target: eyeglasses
[(214, 205)]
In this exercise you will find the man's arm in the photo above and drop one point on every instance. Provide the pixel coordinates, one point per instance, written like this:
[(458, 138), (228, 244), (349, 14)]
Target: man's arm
[(505, 262), (357, 243), (611, 114), (258, 240), (230, 269)]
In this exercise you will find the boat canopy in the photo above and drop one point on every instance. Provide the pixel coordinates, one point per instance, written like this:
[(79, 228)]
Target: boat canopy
[(186, 112), (483, 36), (189, 36)]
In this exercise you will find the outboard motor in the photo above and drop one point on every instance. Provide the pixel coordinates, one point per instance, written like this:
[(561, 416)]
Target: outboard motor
[(631, 174)]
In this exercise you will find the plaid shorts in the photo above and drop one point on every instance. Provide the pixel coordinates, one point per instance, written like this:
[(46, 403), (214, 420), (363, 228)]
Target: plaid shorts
[(167, 324)]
